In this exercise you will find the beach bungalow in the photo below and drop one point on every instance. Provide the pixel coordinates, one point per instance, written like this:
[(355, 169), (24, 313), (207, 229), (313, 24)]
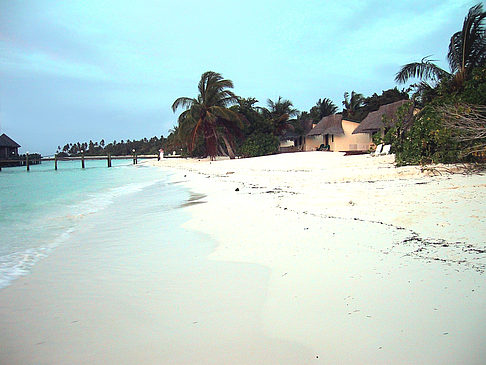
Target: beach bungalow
[(8, 147), (373, 123), (336, 134)]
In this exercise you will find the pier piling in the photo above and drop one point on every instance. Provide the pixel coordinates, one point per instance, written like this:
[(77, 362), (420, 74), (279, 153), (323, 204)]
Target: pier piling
[(27, 160)]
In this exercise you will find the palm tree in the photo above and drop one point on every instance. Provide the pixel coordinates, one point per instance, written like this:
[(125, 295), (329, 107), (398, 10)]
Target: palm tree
[(208, 115), (174, 139), (467, 50), (426, 69), (352, 104), (278, 114), (322, 109)]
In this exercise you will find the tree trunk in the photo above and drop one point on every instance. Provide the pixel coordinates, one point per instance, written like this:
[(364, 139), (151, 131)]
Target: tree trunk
[(222, 152), (228, 147)]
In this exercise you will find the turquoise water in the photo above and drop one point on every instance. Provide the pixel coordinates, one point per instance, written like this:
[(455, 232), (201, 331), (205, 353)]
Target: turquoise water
[(43, 208)]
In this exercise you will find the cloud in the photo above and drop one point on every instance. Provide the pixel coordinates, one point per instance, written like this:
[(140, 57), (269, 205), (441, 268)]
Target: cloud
[(36, 62)]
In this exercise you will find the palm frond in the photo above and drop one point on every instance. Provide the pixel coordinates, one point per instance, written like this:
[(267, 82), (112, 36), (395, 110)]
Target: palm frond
[(182, 102), (227, 116), (467, 47), (204, 116), (424, 69)]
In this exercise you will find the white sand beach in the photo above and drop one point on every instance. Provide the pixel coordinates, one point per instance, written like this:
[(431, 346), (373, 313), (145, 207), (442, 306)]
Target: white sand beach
[(369, 263), (320, 258)]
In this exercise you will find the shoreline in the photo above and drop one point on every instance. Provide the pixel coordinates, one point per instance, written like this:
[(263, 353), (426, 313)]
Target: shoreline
[(362, 188), (317, 258), (139, 293), (357, 229)]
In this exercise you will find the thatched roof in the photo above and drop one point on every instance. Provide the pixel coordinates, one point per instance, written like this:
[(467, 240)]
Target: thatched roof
[(6, 141), (374, 121), (332, 124)]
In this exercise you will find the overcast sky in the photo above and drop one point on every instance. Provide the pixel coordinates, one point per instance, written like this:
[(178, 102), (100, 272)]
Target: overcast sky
[(79, 70)]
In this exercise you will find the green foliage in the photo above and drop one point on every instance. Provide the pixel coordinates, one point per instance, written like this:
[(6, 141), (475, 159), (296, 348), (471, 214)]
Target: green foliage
[(278, 115), (352, 104), (374, 101), (208, 115), (322, 109), (259, 144), (475, 88), (252, 116), (122, 148), (427, 141)]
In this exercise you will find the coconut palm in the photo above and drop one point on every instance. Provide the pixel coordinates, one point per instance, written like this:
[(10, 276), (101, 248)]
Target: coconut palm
[(278, 114), (467, 50), (174, 141), (322, 109), (208, 116), (352, 104), (426, 69)]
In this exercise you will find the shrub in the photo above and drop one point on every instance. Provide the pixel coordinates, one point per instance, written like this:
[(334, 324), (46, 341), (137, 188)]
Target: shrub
[(259, 144), (427, 141)]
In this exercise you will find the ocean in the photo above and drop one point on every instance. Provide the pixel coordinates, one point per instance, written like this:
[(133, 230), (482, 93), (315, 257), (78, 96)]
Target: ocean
[(43, 209), (97, 266)]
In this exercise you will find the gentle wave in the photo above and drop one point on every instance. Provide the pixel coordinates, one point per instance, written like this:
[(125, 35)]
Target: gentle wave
[(20, 262), (100, 200)]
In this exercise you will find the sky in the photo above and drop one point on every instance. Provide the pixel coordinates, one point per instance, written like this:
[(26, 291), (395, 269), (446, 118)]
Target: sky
[(89, 70)]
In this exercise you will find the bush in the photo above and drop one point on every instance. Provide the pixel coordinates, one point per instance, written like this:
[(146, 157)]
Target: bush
[(427, 141), (259, 144), (475, 88)]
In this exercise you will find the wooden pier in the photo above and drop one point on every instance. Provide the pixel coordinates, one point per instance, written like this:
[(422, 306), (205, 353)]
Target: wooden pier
[(15, 162), (26, 162)]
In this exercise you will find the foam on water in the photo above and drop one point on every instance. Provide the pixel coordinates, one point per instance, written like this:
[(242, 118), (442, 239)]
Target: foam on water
[(98, 201), (41, 209), (19, 263)]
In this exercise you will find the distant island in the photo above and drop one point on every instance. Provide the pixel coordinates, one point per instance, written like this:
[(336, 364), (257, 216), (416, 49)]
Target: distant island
[(122, 148)]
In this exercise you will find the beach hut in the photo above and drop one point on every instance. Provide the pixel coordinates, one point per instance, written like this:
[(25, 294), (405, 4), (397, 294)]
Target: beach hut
[(336, 134), (374, 121), (8, 147)]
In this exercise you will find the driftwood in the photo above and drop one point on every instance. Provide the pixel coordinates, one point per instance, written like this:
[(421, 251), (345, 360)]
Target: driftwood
[(458, 168), (468, 123)]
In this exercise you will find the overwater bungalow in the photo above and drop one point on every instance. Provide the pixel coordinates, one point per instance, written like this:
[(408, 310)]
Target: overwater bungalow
[(8, 147)]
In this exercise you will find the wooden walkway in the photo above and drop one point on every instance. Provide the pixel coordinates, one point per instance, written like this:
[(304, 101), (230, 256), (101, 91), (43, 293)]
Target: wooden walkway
[(26, 162)]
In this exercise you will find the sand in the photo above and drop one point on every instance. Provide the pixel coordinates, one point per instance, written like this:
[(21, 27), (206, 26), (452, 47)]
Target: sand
[(369, 263), (320, 258)]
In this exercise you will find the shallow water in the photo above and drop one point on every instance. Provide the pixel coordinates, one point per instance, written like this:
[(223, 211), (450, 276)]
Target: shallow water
[(40, 209), (124, 282)]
